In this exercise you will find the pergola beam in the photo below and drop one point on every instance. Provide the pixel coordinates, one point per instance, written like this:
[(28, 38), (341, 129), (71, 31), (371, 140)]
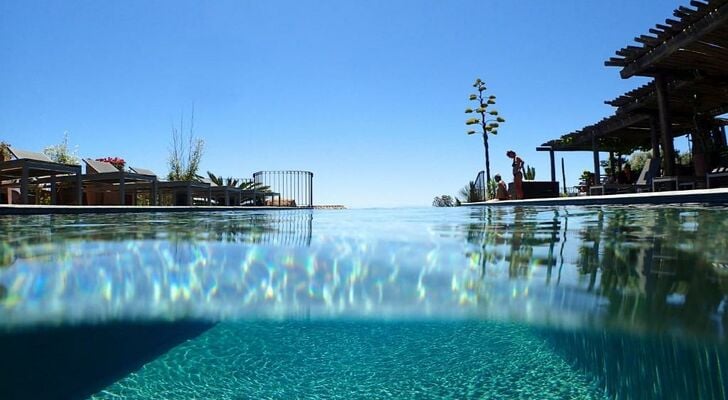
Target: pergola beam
[(701, 27), (610, 125)]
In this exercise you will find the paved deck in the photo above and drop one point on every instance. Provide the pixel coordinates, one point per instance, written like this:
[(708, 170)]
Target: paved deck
[(702, 196), (19, 209)]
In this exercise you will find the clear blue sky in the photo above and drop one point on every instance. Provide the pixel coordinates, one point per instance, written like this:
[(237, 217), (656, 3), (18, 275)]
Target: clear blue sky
[(368, 95)]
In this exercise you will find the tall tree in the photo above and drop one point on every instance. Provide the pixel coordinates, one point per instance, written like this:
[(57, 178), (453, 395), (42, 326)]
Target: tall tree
[(487, 126)]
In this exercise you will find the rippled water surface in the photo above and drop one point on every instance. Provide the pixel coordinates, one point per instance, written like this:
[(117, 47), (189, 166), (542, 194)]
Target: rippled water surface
[(538, 302)]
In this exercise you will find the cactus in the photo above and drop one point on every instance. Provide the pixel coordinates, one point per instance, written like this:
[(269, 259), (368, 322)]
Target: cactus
[(530, 173)]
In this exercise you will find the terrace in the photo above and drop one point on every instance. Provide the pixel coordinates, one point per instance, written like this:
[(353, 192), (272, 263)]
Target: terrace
[(686, 59), (33, 184)]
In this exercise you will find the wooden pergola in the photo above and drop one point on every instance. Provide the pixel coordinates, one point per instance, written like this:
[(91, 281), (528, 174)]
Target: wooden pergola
[(687, 58), (697, 41)]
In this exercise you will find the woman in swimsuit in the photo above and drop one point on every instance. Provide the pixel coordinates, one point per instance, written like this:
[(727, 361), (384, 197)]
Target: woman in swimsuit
[(517, 173)]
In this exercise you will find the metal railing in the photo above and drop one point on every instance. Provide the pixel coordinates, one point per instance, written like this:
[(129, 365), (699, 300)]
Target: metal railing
[(480, 185), (295, 188)]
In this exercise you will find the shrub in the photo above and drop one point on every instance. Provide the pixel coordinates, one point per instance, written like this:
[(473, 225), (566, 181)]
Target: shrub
[(60, 153)]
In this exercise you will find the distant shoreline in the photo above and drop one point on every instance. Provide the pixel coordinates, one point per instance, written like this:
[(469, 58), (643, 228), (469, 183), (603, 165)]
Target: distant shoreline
[(329, 207)]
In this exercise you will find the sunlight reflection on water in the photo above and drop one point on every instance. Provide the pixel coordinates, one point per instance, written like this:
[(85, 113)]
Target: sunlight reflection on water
[(562, 266)]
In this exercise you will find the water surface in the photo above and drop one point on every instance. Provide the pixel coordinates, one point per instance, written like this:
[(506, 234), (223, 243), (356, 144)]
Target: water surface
[(439, 303)]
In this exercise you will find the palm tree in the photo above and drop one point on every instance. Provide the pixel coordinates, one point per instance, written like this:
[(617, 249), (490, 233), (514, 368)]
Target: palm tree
[(470, 193), (239, 183), (257, 186), (488, 126), (220, 181)]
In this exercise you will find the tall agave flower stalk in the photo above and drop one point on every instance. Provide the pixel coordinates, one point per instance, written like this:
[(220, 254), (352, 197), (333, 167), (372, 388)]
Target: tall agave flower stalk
[(488, 122)]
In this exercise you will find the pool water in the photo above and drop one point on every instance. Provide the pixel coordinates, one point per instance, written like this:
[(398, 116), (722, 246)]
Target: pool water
[(502, 302), (345, 360)]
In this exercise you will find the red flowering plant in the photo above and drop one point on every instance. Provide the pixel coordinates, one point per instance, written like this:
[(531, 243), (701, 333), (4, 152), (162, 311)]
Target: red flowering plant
[(115, 161)]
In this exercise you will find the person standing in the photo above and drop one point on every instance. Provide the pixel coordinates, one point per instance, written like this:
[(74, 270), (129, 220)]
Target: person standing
[(517, 173)]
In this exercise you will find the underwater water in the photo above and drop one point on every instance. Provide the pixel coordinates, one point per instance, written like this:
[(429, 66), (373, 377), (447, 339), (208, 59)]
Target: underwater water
[(345, 360), (504, 302)]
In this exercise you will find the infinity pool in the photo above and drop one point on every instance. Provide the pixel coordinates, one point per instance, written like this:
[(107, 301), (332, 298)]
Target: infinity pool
[(537, 302)]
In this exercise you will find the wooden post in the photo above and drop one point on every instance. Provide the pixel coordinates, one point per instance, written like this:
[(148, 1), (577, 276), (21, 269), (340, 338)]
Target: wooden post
[(655, 135), (597, 175), (612, 165), (702, 139), (53, 189), (79, 187), (154, 193), (665, 125), (24, 185), (720, 133), (563, 175), (553, 165), (122, 191)]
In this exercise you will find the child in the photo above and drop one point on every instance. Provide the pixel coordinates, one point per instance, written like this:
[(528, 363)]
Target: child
[(501, 190)]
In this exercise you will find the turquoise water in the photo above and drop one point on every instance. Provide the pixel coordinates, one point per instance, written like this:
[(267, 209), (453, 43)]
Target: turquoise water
[(345, 360), (539, 302)]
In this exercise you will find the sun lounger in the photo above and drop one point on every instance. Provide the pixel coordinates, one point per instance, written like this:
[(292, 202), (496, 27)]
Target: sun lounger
[(716, 175), (183, 191), (643, 182), (224, 194), (105, 176), (258, 197), (676, 182), (611, 188), (648, 173), (27, 165), (256, 193), (669, 182)]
